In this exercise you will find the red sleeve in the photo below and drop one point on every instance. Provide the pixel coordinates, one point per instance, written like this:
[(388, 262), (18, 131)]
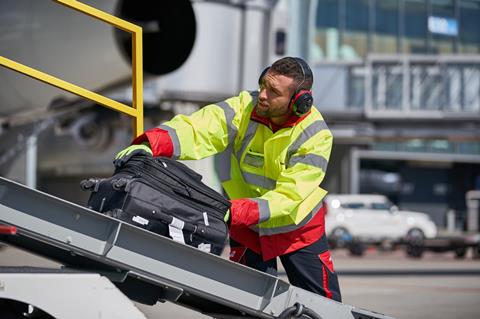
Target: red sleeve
[(244, 212), (160, 141), (246, 237)]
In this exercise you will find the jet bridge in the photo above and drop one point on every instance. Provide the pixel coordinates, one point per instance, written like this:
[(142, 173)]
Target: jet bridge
[(148, 267)]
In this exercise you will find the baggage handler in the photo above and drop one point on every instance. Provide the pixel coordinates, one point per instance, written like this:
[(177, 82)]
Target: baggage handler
[(274, 146)]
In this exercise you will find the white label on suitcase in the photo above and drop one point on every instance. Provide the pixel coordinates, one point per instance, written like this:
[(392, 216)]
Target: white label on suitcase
[(205, 219), (205, 247), (140, 220), (175, 230)]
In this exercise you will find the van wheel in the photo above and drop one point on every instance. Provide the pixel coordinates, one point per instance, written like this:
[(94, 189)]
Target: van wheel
[(414, 251), (356, 248), (415, 243), (415, 235), (460, 252), (339, 238)]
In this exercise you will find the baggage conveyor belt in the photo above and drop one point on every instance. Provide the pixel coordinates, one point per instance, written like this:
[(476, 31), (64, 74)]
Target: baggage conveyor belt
[(148, 267)]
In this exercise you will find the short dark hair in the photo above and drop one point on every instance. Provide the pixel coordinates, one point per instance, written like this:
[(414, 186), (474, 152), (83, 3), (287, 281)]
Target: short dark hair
[(292, 67)]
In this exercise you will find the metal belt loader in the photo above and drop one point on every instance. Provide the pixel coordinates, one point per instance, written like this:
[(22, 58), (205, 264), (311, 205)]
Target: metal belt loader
[(105, 260)]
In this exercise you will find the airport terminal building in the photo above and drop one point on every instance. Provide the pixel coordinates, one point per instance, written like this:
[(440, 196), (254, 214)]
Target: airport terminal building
[(399, 84)]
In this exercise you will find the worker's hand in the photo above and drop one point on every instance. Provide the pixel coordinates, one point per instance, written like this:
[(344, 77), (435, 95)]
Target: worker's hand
[(124, 155)]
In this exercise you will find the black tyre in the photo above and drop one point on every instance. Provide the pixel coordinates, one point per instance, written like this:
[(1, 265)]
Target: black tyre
[(415, 235), (415, 250), (415, 243), (339, 238), (356, 248), (460, 252)]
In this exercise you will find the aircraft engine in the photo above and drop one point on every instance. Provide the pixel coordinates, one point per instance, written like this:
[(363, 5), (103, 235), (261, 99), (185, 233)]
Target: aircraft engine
[(75, 47)]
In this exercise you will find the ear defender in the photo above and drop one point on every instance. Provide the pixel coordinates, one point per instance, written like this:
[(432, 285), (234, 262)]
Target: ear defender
[(301, 102)]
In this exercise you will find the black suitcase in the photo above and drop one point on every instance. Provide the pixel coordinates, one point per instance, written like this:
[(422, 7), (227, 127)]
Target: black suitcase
[(163, 196)]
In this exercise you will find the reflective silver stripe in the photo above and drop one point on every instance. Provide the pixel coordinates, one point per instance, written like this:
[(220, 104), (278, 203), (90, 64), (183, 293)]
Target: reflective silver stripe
[(224, 158), (310, 131), (224, 164), (251, 129), (309, 159), (263, 209), (290, 228), (175, 140), (259, 180), (250, 178), (229, 115)]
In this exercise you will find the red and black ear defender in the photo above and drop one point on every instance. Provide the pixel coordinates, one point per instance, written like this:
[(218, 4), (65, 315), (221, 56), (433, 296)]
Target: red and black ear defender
[(302, 100)]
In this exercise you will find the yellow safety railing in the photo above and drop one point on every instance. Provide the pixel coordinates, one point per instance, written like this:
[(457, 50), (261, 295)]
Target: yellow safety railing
[(136, 110)]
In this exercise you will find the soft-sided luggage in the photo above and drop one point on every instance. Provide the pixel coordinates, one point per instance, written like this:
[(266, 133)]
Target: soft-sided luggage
[(163, 196)]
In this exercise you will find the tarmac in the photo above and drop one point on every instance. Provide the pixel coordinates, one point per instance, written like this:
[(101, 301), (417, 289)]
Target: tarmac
[(436, 286)]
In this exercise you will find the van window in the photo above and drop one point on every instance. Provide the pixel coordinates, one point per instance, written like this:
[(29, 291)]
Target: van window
[(353, 205), (381, 206)]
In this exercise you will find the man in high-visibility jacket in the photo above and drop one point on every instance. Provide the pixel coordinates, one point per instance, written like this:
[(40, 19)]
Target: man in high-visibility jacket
[(275, 148)]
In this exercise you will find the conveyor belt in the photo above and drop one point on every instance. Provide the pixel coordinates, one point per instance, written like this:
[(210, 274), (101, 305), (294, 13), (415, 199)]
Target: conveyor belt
[(148, 267)]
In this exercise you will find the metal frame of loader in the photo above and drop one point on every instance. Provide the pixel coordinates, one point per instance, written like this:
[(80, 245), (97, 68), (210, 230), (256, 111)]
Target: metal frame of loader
[(148, 267)]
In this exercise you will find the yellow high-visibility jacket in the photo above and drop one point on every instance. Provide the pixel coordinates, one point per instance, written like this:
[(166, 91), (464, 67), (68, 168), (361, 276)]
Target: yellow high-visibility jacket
[(271, 174)]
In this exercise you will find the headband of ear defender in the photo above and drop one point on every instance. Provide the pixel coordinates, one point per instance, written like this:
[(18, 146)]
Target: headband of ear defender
[(302, 100)]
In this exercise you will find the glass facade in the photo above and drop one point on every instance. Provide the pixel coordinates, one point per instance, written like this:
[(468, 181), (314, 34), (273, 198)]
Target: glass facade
[(469, 16), (350, 29), (385, 36), (414, 21), (443, 43), (327, 35), (354, 38)]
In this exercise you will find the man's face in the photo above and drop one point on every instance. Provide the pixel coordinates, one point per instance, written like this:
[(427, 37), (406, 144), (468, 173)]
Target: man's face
[(275, 93)]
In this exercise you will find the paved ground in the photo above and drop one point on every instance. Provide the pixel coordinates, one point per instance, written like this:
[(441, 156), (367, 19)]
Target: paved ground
[(411, 290), (419, 295)]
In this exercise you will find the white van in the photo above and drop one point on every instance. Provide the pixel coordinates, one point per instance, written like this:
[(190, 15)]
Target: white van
[(363, 218)]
